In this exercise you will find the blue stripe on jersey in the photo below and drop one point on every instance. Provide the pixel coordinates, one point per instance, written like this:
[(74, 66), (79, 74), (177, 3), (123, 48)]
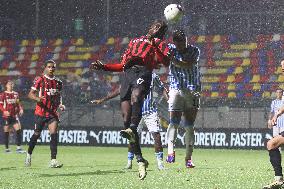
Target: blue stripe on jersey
[(181, 78), (150, 105), (275, 106)]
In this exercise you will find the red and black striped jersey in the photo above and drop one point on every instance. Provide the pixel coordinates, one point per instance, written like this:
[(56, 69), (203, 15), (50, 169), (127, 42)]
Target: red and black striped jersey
[(9, 101), (146, 54), (50, 89)]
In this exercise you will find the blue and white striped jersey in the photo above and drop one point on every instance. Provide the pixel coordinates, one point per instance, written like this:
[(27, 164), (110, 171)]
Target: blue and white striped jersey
[(150, 104), (181, 78), (275, 106)]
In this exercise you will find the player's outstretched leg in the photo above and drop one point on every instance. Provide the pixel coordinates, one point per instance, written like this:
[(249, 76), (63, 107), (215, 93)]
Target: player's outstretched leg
[(19, 142), (158, 150), (189, 142), (171, 137), (275, 160), (32, 143), (6, 142), (130, 157), (53, 151)]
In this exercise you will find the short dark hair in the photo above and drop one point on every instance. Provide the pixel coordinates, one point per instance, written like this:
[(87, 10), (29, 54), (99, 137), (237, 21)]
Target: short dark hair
[(179, 35), (163, 29), (49, 61)]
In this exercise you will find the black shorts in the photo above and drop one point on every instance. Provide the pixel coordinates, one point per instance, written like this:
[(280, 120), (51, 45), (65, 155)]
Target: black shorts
[(135, 77), (9, 121), (41, 121)]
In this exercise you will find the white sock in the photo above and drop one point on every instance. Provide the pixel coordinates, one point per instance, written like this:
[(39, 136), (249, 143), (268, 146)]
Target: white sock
[(278, 178), (18, 147), (171, 138)]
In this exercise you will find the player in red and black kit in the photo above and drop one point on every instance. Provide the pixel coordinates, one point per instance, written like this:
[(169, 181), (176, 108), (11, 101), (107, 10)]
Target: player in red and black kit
[(11, 108), (141, 57), (46, 92)]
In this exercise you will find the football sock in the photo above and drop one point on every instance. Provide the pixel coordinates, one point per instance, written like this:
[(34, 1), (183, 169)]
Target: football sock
[(53, 145), (171, 137), (18, 137), (130, 156), (157, 142), (6, 139), (136, 146), (159, 155), (32, 143), (275, 160), (189, 142)]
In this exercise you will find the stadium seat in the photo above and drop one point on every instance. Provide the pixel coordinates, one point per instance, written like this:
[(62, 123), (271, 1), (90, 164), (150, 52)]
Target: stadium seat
[(255, 78), (256, 86), (230, 78), (280, 78), (214, 94), (246, 62), (232, 94), (231, 87), (238, 70), (266, 94)]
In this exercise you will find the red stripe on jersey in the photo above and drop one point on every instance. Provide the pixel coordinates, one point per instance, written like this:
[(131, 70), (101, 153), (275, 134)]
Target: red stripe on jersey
[(51, 88), (9, 101)]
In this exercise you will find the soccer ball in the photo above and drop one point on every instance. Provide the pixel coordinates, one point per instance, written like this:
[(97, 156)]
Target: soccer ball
[(173, 13)]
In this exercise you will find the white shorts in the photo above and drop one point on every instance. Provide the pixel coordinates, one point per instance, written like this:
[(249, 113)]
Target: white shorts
[(182, 100), (152, 122), (277, 130)]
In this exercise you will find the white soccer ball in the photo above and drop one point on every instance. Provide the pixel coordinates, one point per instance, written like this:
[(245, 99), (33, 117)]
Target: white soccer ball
[(173, 13)]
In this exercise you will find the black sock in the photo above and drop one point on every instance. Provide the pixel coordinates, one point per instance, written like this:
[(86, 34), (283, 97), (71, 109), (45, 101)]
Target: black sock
[(275, 160), (18, 137), (136, 146), (32, 143), (6, 139), (53, 145)]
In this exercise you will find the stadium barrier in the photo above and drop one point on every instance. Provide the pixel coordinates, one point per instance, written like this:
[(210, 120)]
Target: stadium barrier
[(110, 136)]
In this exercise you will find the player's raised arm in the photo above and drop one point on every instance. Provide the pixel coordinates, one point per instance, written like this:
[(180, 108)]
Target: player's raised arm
[(108, 97)]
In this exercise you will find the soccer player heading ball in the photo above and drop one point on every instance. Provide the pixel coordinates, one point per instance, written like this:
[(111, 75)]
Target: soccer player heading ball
[(140, 58), (46, 91)]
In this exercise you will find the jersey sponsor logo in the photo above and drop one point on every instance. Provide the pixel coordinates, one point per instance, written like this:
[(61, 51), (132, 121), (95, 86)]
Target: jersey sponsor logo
[(51, 92)]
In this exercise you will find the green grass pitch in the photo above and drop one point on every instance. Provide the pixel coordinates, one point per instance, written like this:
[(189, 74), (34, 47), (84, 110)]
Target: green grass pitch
[(102, 167)]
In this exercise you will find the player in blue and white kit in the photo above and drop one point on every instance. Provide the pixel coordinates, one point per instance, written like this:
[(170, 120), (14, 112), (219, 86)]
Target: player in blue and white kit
[(275, 106), (150, 118), (184, 93)]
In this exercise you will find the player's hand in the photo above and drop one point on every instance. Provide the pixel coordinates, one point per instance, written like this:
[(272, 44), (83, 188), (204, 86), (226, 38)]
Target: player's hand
[(97, 101), (269, 124), (97, 65), (62, 107), (274, 120), (6, 114), (21, 112), (40, 99)]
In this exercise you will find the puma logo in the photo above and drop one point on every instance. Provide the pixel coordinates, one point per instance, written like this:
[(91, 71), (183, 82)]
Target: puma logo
[(96, 136)]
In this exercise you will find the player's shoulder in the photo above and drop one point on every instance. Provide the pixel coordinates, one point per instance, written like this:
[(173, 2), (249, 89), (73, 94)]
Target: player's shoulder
[(58, 79), (15, 92)]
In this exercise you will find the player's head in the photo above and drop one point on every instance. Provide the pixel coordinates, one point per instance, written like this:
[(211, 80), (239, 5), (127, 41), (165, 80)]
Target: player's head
[(49, 67), (179, 39), (158, 29), (9, 85), (279, 93), (282, 64)]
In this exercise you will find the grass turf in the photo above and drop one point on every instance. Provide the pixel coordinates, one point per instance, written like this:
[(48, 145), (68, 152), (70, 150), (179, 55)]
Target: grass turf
[(102, 167)]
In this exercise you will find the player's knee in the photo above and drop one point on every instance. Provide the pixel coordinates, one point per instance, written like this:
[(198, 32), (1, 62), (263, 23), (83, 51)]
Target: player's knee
[(271, 144)]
